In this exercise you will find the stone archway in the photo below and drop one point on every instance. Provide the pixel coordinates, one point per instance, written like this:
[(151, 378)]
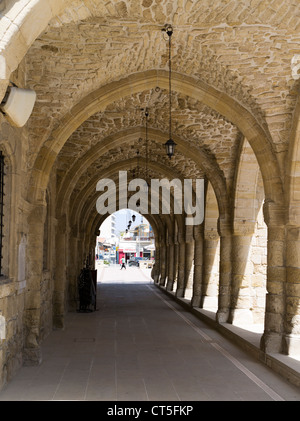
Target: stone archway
[(222, 103)]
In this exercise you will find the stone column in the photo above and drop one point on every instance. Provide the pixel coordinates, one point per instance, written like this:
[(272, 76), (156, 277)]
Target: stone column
[(32, 310), (211, 265), (224, 272), (181, 266), (198, 265), (271, 340), (155, 272), (81, 249), (176, 253), (240, 312), (73, 269), (189, 262), (59, 296), (163, 263), (291, 344), (170, 282)]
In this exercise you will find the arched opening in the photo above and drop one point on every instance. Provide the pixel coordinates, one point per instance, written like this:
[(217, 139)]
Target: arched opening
[(249, 248), (128, 235), (211, 253)]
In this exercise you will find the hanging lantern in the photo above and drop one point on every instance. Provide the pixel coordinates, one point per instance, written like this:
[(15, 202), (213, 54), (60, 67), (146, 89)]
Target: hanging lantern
[(170, 148), (170, 144)]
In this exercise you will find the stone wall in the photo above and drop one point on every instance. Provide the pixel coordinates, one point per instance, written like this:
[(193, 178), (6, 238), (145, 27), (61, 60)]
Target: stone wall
[(14, 279), (11, 343)]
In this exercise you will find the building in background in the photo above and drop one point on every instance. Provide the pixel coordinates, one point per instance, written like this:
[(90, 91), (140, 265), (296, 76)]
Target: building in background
[(125, 234), (138, 241), (107, 240)]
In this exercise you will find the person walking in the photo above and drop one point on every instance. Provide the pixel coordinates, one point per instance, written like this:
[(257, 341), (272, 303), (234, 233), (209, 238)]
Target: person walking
[(123, 263)]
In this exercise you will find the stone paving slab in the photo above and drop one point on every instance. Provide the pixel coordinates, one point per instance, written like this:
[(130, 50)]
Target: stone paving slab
[(140, 345)]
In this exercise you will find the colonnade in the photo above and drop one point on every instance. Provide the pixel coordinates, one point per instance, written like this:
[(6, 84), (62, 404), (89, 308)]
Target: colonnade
[(187, 266)]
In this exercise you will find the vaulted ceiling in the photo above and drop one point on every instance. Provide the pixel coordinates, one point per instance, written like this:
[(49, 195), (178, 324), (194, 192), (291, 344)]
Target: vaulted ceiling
[(240, 49)]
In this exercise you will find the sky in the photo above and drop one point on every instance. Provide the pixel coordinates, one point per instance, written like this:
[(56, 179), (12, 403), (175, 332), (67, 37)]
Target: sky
[(124, 216)]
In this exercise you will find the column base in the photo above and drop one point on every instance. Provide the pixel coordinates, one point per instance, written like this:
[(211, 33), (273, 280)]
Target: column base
[(196, 301), (271, 343), (31, 357), (179, 292), (222, 316), (170, 285), (58, 322), (162, 281)]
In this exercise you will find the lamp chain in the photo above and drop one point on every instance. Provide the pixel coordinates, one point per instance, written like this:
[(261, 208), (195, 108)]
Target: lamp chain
[(170, 99)]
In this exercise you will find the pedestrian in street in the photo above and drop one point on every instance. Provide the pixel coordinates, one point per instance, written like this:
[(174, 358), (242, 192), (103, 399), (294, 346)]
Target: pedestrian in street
[(123, 263)]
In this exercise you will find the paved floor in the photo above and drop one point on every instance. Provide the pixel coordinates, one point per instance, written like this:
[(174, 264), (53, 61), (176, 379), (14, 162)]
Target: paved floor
[(142, 346)]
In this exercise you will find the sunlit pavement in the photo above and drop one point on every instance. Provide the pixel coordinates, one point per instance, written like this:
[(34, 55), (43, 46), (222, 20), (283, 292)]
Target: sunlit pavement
[(114, 273)]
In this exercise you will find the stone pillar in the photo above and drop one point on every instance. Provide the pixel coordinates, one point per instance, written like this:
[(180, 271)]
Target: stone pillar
[(181, 266), (271, 340), (34, 255), (81, 249), (198, 265), (291, 344), (170, 282), (59, 295), (224, 272), (73, 269), (211, 265), (163, 263), (155, 272), (176, 254), (240, 312), (189, 262)]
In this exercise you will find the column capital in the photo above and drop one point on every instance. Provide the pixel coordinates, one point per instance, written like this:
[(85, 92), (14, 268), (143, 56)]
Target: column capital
[(211, 234), (243, 228)]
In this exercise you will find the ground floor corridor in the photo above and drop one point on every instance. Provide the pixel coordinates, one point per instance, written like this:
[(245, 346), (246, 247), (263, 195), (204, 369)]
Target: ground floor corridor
[(140, 345)]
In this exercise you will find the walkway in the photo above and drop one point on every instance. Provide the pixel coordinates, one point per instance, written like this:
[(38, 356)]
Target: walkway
[(140, 345)]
